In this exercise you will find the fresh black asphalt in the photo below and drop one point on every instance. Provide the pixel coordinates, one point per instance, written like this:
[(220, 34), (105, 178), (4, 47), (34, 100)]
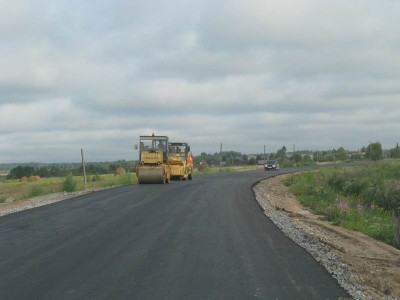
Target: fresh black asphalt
[(200, 239)]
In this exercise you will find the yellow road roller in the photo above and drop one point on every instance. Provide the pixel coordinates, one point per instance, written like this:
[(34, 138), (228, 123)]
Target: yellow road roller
[(153, 160), (180, 161)]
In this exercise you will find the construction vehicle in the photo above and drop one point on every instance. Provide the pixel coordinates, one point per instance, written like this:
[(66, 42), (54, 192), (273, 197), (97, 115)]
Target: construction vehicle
[(180, 161), (153, 160)]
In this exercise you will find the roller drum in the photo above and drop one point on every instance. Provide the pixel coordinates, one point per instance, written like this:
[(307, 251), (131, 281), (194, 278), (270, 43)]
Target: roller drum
[(151, 175)]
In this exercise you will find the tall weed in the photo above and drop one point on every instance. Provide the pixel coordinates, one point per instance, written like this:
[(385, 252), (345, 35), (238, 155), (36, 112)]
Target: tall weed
[(70, 184), (362, 198)]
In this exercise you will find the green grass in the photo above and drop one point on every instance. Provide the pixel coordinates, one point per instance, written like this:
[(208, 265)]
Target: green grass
[(362, 198), (215, 170), (377, 223), (13, 190), (35, 192)]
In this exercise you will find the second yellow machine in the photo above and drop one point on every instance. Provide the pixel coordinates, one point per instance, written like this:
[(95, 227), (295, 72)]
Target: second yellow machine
[(180, 161)]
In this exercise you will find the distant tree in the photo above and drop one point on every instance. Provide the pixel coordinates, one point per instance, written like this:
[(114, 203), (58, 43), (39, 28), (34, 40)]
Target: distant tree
[(340, 154), (395, 152), (112, 168), (252, 161), (57, 171), (324, 156), (297, 157), (281, 153), (43, 172), (374, 151), (20, 171), (213, 159), (318, 156)]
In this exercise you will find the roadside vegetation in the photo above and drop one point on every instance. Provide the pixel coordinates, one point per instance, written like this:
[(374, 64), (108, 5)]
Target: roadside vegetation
[(360, 198), (204, 169), (16, 189), (64, 169)]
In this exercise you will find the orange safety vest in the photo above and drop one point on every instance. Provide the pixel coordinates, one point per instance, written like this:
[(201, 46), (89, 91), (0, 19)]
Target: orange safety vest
[(190, 159)]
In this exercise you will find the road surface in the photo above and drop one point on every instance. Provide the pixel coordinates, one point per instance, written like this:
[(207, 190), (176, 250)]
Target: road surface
[(200, 239)]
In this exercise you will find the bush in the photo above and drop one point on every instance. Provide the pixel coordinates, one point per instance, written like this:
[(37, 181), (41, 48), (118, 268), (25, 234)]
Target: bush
[(69, 184), (35, 192)]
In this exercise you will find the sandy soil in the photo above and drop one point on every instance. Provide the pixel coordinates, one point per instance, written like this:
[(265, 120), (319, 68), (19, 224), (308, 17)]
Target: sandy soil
[(375, 266)]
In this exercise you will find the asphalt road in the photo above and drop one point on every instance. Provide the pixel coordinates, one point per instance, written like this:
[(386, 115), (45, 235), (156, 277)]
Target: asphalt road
[(200, 239)]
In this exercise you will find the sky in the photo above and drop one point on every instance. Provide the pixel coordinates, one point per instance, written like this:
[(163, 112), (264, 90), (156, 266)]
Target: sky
[(95, 75)]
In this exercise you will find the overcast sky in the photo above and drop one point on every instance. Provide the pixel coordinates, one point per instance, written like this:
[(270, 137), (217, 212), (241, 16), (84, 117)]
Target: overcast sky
[(97, 74)]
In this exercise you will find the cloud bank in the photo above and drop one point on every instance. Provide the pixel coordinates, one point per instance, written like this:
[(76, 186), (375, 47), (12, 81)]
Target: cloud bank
[(97, 74)]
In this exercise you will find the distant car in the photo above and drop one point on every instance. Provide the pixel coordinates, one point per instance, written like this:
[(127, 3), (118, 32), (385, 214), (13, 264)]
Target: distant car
[(271, 165)]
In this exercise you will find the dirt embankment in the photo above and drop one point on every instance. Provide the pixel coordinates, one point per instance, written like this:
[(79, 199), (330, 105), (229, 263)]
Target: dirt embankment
[(374, 266)]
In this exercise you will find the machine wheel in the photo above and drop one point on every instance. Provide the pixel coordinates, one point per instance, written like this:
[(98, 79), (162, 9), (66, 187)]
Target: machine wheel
[(190, 176)]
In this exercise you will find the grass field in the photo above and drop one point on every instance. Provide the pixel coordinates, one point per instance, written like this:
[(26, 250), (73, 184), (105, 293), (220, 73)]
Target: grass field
[(214, 170), (362, 198), (12, 190)]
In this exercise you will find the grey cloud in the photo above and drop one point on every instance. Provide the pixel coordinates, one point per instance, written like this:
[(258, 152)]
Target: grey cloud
[(97, 74)]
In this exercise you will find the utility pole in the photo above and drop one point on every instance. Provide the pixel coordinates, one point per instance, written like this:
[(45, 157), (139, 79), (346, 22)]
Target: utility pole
[(264, 152), (220, 157), (293, 157), (84, 170)]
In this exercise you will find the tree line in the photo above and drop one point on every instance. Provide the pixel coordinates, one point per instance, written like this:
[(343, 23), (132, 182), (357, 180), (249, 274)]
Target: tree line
[(373, 151), (55, 170)]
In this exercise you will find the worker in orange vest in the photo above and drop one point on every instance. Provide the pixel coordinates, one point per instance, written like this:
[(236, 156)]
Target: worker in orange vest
[(190, 158)]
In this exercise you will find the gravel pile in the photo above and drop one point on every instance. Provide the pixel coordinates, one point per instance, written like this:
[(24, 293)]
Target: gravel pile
[(321, 252)]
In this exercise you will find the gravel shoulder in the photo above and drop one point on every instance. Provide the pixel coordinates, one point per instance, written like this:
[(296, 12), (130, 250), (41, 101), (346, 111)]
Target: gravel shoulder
[(20, 205), (366, 268)]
